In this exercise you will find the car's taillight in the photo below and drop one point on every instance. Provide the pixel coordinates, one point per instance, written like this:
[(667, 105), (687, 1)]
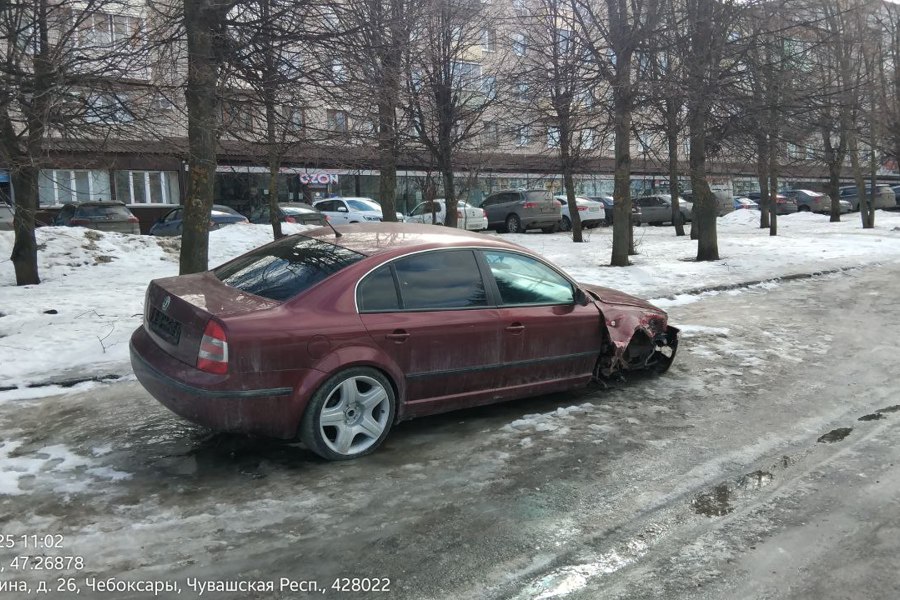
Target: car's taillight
[(213, 355), (133, 219), (484, 213), (290, 220), (327, 218), (459, 214), (580, 208), (530, 205), (80, 222)]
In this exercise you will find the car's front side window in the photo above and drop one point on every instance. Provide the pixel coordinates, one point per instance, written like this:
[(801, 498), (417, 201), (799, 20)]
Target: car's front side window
[(524, 280)]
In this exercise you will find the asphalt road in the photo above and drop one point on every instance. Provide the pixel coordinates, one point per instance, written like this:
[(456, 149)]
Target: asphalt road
[(708, 482)]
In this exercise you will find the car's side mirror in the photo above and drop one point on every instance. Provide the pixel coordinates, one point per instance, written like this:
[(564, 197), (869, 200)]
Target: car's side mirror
[(342, 209), (581, 298)]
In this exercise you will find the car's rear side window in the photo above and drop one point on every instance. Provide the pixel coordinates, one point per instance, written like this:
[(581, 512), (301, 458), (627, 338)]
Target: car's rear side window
[(443, 279), (377, 292), (283, 269)]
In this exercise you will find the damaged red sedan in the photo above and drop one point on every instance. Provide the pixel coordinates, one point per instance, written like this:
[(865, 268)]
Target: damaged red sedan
[(334, 338)]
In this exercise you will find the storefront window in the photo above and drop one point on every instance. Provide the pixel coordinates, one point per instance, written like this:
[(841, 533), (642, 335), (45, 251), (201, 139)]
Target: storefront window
[(147, 187), (60, 186)]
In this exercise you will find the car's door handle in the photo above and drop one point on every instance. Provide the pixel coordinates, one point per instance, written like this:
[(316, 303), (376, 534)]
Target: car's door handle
[(399, 336), (515, 328)]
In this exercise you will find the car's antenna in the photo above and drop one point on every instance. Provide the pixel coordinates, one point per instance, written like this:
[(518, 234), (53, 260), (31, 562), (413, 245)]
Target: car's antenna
[(328, 222)]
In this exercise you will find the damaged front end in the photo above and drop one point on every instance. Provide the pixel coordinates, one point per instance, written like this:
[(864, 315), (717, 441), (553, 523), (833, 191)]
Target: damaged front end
[(638, 335)]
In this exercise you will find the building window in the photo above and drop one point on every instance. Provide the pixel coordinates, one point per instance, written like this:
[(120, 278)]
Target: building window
[(522, 90), (488, 40), (489, 86), (553, 137), (523, 136), (147, 187), (519, 44), (587, 139), (237, 116), (564, 40), (467, 75), (60, 186), (101, 29), (794, 151), (337, 120), (491, 132)]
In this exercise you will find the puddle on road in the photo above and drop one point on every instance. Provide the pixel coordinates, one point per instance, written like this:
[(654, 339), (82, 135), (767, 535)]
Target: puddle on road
[(719, 501), (835, 435), (871, 417)]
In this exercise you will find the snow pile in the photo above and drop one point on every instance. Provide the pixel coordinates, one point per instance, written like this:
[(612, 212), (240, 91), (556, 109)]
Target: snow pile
[(78, 321)]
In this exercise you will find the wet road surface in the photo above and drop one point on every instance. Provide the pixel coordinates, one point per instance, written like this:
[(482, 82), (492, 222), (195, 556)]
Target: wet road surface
[(761, 466)]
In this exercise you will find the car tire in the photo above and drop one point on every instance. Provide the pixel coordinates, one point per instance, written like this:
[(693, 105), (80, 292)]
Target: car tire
[(565, 224), (513, 224), (350, 415)]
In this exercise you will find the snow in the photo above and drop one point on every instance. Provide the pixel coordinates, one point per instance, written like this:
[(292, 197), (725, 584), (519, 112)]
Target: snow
[(56, 465), (95, 281)]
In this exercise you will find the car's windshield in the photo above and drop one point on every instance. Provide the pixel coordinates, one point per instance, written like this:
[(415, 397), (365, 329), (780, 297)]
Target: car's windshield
[(363, 205), (537, 196), (94, 211), (285, 268)]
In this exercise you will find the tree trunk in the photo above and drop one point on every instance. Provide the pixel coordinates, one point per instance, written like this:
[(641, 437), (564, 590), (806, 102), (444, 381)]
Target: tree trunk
[(274, 213), (762, 178), (201, 27), (450, 203), (569, 182), (704, 210), (677, 217), (773, 180), (858, 176), (387, 133), (834, 185), (622, 238), (24, 252)]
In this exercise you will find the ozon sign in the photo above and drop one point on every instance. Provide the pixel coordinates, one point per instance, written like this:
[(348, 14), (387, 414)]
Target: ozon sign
[(318, 178)]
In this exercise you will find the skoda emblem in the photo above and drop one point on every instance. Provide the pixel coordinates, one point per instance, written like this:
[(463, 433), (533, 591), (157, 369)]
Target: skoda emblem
[(166, 303)]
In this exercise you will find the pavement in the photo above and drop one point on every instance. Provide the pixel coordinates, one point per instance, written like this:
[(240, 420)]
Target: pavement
[(732, 476)]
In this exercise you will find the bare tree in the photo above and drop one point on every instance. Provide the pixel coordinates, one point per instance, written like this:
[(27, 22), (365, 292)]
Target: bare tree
[(613, 31), (556, 88), (74, 72), (449, 92)]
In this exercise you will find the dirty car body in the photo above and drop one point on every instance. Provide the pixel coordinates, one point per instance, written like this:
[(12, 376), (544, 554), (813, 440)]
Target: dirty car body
[(334, 339)]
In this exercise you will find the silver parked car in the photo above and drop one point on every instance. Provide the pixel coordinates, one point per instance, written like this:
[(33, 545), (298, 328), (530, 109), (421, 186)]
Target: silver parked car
[(517, 211), (883, 198), (6, 217), (657, 209), (810, 201), (103, 216)]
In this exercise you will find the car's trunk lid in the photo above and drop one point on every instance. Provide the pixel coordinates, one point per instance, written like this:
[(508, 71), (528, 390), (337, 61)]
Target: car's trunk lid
[(177, 310)]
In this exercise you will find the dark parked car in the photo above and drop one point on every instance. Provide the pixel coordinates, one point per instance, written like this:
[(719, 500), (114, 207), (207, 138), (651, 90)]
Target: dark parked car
[(783, 204), (103, 216), (896, 189), (516, 211), (609, 212), (171, 223), (335, 339), (290, 212)]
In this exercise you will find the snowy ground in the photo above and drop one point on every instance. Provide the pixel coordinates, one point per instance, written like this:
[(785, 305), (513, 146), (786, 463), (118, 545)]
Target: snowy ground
[(77, 322)]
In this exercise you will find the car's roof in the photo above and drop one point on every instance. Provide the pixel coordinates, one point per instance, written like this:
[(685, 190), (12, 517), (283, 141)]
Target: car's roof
[(399, 238), (95, 203)]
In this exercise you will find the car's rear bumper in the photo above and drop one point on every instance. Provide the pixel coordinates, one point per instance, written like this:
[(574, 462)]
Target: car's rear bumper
[(541, 221), (474, 224), (200, 398)]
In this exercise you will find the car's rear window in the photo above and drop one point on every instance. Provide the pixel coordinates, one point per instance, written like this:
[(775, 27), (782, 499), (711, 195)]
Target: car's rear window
[(538, 196), (114, 211), (285, 268)]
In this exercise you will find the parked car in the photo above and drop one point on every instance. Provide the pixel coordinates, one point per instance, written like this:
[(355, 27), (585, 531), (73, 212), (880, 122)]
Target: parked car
[(333, 340), (724, 202), (467, 216), (517, 211), (6, 217), (172, 222), (896, 189), (592, 213), (783, 204), (810, 201), (744, 203), (884, 196), (657, 209), (103, 216), (609, 210), (351, 210), (290, 212)]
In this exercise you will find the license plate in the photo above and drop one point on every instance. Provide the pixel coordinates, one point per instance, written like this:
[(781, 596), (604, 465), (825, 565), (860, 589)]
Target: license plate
[(165, 326), (547, 210)]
